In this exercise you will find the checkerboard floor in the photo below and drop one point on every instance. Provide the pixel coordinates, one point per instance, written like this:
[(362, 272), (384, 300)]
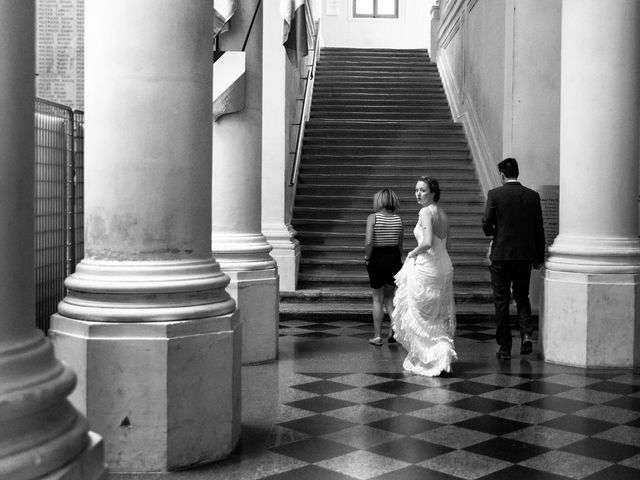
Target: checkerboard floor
[(335, 407)]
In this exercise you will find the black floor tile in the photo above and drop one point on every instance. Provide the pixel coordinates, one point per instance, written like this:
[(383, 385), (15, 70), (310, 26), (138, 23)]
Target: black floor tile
[(634, 423), (367, 327), (322, 387), (316, 335), (405, 425), (492, 425), (414, 473), (480, 336), (519, 472), (577, 424), (397, 387), (480, 404), (529, 375), (630, 403), (318, 425), (603, 376), (310, 472), (320, 404), (546, 388), (410, 450), (558, 404), (472, 388), (508, 450), (614, 387), (323, 375), (615, 472), (313, 449), (400, 404), (394, 375), (602, 449), (320, 327)]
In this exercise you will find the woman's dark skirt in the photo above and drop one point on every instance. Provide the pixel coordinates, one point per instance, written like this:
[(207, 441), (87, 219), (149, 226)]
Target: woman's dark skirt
[(384, 263)]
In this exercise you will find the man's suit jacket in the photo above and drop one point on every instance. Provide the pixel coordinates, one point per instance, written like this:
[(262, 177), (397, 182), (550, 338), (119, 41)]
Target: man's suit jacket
[(513, 216)]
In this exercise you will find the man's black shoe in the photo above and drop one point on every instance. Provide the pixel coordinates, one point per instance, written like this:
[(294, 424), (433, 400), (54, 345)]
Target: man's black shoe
[(526, 347), (503, 354)]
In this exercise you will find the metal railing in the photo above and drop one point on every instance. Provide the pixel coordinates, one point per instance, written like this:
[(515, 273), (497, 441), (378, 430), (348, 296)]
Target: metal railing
[(59, 192), (306, 101)]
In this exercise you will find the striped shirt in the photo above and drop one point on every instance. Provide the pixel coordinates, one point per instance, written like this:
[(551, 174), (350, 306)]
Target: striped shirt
[(387, 230)]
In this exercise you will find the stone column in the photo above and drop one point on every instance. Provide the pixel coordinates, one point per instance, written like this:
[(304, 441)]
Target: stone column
[(147, 322), (277, 196), (41, 434), (592, 279), (237, 240), (435, 24)]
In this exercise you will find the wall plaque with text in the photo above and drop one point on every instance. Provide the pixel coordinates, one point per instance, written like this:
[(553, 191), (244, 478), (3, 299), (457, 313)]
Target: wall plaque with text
[(60, 51)]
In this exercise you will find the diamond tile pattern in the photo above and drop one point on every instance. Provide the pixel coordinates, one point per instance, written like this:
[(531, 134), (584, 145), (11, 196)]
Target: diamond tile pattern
[(362, 417), (514, 424)]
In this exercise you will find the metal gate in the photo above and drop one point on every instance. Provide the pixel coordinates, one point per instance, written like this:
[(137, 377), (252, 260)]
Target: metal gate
[(59, 194)]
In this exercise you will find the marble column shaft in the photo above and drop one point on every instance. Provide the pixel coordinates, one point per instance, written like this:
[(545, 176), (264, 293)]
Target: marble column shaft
[(280, 83), (237, 240), (147, 322), (41, 434), (592, 275)]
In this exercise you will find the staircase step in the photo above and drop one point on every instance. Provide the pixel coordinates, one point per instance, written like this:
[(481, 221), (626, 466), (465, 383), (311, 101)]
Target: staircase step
[(336, 219), (330, 164), (317, 280), (363, 115), (420, 90), (426, 132), (365, 201), (458, 254), (457, 213), (450, 193), (313, 237)]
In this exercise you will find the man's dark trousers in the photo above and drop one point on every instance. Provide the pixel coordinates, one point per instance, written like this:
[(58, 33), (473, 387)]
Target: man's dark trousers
[(506, 275)]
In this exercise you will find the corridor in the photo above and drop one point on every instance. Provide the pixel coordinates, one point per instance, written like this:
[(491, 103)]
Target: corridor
[(334, 407)]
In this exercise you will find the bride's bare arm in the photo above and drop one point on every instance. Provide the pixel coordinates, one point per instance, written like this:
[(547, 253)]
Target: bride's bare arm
[(426, 224)]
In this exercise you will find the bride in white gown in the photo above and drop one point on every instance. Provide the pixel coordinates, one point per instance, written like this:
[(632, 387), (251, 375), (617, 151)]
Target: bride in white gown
[(424, 318)]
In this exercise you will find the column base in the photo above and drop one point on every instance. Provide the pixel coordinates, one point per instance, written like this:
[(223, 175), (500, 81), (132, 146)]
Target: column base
[(286, 253), (87, 466), (163, 395), (591, 320), (256, 295)]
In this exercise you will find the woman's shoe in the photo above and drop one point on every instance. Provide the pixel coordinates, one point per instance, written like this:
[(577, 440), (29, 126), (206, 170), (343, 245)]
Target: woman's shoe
[(391, 338), (377, 341)]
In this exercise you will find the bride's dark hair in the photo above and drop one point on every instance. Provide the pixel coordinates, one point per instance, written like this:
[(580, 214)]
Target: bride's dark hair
[(433, 185)]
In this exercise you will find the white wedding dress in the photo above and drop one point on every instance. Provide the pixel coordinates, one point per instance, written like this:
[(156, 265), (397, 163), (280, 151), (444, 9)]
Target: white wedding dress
[(424, 318)]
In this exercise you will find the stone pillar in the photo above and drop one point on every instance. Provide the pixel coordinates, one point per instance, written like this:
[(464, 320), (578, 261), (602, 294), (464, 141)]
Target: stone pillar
[(237, 240), (435, 25), (592, 279), (147, 322), (277, 196), (41, 434)]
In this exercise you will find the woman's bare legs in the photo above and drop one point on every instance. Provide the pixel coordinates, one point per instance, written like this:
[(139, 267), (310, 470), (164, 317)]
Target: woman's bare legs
[(389, 290), (378, 313)]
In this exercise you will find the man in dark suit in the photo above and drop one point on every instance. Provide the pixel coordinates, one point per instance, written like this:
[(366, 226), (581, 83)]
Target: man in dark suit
[(513, 216)]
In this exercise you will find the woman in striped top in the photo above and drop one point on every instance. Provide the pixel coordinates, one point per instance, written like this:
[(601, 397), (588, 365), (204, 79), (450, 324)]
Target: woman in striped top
[(382, 256)]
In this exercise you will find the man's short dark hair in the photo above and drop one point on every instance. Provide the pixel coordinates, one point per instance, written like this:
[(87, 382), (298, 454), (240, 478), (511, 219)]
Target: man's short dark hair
[(509, 168)]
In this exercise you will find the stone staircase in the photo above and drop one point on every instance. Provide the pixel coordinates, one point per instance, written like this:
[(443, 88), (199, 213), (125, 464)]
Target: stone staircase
[(379, 118)]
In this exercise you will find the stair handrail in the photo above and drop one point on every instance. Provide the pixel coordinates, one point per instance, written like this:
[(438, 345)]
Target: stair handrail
[(306, 102)]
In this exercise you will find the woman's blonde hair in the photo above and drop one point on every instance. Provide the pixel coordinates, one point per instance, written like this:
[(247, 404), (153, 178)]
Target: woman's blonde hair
[(385, 198)]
